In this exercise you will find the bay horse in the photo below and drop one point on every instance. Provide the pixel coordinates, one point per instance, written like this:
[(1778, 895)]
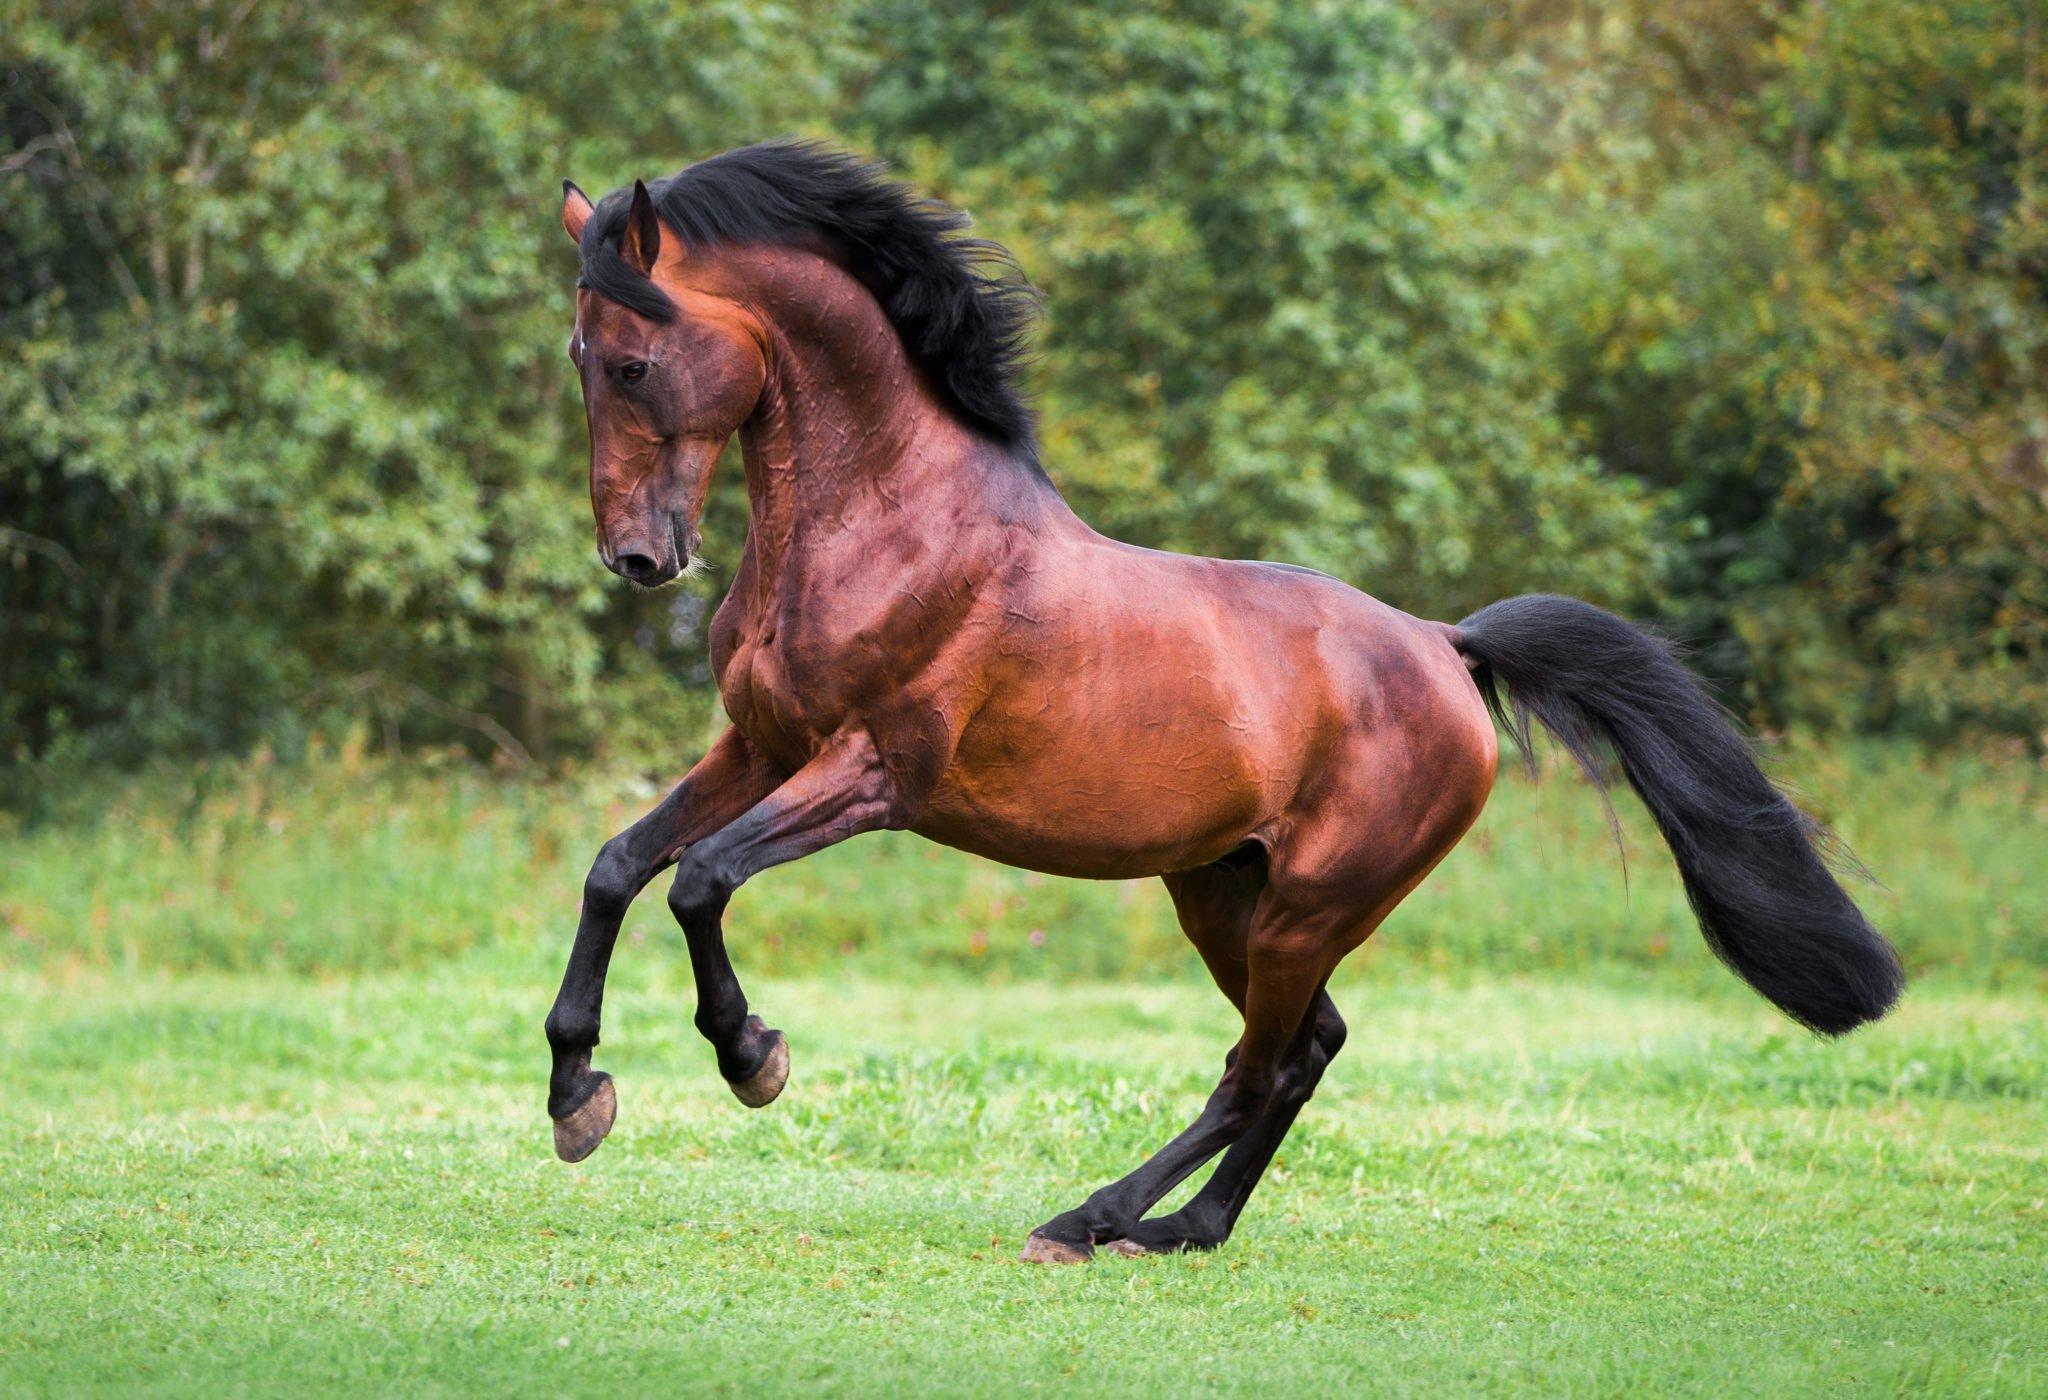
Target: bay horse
[(921, 634)]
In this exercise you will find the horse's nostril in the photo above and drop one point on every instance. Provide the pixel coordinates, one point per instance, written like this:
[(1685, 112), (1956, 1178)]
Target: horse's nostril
[(640, 568)]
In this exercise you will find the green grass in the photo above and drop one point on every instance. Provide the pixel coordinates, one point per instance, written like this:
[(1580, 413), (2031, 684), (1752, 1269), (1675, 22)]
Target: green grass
[(275, 1123), (228, 1185)]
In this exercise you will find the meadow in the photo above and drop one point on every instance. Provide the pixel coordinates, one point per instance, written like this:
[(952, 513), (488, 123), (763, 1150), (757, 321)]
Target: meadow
[(277, 1119)]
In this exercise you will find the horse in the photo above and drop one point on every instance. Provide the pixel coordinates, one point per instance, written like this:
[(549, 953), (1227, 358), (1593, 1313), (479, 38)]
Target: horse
[(922, 635)]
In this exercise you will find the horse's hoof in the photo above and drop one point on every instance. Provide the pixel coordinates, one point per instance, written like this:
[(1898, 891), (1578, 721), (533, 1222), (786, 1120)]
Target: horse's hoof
[(1130, 1249), (1041, 1249), (578, 1135), (760, 1090)]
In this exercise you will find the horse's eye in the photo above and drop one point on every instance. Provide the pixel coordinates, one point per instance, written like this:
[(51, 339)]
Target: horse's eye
[(633, 371)]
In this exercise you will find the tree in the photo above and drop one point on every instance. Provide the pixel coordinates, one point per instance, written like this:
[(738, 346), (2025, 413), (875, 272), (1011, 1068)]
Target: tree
[(283, 423), (1281, 323)]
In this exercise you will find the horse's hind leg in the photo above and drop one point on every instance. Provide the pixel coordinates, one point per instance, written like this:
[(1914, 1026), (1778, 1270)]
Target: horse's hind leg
[(1350, 863), (1214, 904), (1287, 956), (1207, 1220)]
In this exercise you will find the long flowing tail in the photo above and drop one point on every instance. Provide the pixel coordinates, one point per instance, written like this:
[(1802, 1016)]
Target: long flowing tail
[(1751, 861)]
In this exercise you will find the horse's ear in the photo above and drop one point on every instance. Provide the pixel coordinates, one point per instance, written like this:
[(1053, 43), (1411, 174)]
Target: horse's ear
[(575, 210), (640, 244)]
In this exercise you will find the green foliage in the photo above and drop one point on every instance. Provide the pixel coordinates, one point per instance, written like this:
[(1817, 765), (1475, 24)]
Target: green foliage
[(1281, 323), (247, 405), (1805, 305), (1916, 137), (283, 430), (1731, 314)]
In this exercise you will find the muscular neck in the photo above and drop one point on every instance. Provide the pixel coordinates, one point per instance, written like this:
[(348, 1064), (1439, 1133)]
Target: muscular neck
[(847, 425)]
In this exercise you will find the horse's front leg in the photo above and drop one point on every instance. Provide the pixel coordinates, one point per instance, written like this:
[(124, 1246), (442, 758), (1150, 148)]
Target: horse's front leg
[(726, 782), (840, 793)]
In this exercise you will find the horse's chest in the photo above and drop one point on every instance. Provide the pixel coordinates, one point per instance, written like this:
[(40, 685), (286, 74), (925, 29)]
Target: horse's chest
[(769, 699), (796, 671)]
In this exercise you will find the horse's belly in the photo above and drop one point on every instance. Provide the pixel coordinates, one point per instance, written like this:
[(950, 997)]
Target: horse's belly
[(1097, 819)]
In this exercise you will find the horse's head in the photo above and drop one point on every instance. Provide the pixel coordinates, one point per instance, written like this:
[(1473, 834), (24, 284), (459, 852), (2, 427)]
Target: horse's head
[(669, 373)]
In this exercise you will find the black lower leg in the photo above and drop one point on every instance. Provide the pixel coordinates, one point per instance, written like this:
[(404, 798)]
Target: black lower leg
[(1117, 1208), (622, 869), (727, 782), (742, 1042), (1207, 1220), (840, 793)]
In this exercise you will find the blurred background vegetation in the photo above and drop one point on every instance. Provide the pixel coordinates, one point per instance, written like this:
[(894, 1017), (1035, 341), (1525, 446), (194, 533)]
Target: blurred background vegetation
[(315, 701), (1728, 314)]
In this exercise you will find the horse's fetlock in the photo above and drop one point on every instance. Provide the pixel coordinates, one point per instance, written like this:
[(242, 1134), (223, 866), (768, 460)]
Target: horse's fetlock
[(1204, 1226), (719, 1026), (571, 1030), (1103, 1216), (1110, 1225)]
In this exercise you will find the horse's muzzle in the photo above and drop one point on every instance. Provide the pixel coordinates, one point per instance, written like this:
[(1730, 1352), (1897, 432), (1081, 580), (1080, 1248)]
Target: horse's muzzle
[(651, 563), (645, 569)]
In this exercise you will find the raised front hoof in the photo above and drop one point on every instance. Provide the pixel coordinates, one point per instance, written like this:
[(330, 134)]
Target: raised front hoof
[(578, 1135), (759, 1089), (1043, 1249)]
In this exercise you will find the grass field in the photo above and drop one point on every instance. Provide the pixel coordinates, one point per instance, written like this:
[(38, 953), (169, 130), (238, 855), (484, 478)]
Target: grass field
[(276, 1121)]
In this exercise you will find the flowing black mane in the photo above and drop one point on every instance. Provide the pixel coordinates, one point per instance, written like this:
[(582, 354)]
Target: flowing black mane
[(960, 304)]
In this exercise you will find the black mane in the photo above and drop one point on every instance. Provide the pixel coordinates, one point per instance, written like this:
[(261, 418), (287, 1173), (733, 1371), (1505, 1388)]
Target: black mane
[(960, 304)]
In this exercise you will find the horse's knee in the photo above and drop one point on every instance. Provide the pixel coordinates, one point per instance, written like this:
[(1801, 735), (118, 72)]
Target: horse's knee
[(699, 894), (613, 880)]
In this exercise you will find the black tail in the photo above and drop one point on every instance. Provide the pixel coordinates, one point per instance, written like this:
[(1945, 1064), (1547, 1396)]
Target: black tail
[(1750, 859)]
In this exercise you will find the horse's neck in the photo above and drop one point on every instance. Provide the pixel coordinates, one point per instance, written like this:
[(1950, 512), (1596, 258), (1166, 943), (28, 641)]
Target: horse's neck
[(847, 434)]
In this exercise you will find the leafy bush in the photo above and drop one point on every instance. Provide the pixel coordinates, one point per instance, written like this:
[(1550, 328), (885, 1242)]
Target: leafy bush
[(1731, 314)]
